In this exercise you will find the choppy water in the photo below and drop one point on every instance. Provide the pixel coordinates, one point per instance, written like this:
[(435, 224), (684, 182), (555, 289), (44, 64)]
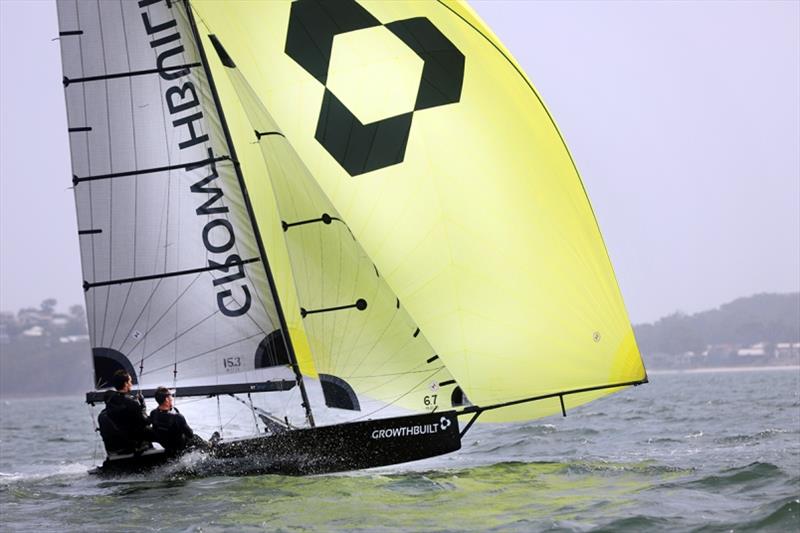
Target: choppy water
[(688, 452)]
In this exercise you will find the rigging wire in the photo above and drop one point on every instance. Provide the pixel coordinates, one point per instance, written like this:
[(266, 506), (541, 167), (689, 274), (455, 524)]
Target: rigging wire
[(219, 416), (252, 410), (96, 432)]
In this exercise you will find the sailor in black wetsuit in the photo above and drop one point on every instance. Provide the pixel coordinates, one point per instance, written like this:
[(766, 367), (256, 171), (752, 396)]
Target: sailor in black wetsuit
[(124, 425), (170, 427)]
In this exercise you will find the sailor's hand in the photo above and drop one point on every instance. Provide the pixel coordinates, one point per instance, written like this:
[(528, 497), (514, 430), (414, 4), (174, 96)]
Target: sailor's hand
[(140, 398)]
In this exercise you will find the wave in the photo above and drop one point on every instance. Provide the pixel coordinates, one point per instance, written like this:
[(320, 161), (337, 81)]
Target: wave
[(64, 470), (785, 518), (590, 468), (743, 477), (538, 429), (636, 523), (744, 439), (644, 468), (779, 515), (663, 440), (64, 439), (508, 445)]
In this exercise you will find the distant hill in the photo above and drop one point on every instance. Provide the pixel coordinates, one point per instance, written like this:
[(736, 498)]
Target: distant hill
[(46, 352), (767, 318)]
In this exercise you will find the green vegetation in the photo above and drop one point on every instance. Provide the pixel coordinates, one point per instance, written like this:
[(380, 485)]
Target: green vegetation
[(763, 318), (41, 366)]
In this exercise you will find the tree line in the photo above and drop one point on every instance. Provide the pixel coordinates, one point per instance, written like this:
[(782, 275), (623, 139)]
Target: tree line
[(768, 318), (44, 351)]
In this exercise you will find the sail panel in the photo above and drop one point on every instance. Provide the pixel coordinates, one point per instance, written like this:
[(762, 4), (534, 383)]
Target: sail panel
[(474, 213), (362, 339), (175, 283)]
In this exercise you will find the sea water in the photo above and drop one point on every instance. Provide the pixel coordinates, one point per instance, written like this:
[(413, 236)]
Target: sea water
[(711, 451)]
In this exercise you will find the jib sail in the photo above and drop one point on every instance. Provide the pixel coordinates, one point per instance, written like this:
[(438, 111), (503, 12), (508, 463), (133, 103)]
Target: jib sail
[(363, 341)]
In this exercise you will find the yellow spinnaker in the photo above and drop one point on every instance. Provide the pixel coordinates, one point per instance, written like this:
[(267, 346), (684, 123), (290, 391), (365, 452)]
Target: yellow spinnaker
[(479, 222)]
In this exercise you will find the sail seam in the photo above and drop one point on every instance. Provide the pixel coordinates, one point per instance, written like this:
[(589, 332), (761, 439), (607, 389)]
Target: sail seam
[(92, 318), (155, 324), (395, 374), (215, 349), (175, 339), (110, 151), (400, 397), (145, 307), (135, 185)]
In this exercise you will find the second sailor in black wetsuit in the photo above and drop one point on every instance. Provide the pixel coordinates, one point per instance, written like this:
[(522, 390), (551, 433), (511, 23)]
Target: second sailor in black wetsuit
[(170, 427)]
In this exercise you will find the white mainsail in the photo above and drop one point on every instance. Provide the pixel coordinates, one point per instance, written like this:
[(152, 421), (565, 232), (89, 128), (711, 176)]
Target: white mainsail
[(176, 285)]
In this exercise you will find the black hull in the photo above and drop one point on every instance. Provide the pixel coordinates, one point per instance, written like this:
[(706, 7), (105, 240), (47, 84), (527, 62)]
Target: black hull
[(326, 449), (119, 465)]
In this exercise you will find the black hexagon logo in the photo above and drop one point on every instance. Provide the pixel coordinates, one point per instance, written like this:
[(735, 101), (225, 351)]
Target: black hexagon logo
[(361, 148)]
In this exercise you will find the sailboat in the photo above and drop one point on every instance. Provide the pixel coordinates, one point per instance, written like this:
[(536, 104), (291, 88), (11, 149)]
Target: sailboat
[(361, 206)]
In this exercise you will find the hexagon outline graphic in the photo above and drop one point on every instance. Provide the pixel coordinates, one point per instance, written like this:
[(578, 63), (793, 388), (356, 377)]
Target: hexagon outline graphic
[(361, 148)]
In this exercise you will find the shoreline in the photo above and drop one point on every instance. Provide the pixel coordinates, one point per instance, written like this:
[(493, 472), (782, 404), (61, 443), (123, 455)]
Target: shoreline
[(713, 369), (4, 397)]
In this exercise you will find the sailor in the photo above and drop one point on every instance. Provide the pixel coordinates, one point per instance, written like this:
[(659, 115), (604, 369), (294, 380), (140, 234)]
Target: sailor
[(124, 425), (170, 427)]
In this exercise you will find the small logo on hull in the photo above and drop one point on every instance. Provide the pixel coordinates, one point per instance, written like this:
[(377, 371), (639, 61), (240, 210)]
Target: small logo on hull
[(412, 431)]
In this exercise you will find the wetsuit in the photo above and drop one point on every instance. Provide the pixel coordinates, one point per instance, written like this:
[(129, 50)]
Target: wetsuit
[(124, 425), (173, 432)]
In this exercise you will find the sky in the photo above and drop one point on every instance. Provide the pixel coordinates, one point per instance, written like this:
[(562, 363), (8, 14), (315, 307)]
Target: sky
[(683, 119)]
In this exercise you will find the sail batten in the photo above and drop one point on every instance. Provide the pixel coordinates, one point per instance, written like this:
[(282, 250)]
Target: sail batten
[(104, 77), (236, 263), (180, 166)]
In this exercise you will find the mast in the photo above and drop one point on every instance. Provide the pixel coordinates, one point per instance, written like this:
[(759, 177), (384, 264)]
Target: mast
[(240, 177)]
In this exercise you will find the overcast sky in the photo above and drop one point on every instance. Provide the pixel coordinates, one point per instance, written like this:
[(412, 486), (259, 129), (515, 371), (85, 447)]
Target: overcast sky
[(683, 119)]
